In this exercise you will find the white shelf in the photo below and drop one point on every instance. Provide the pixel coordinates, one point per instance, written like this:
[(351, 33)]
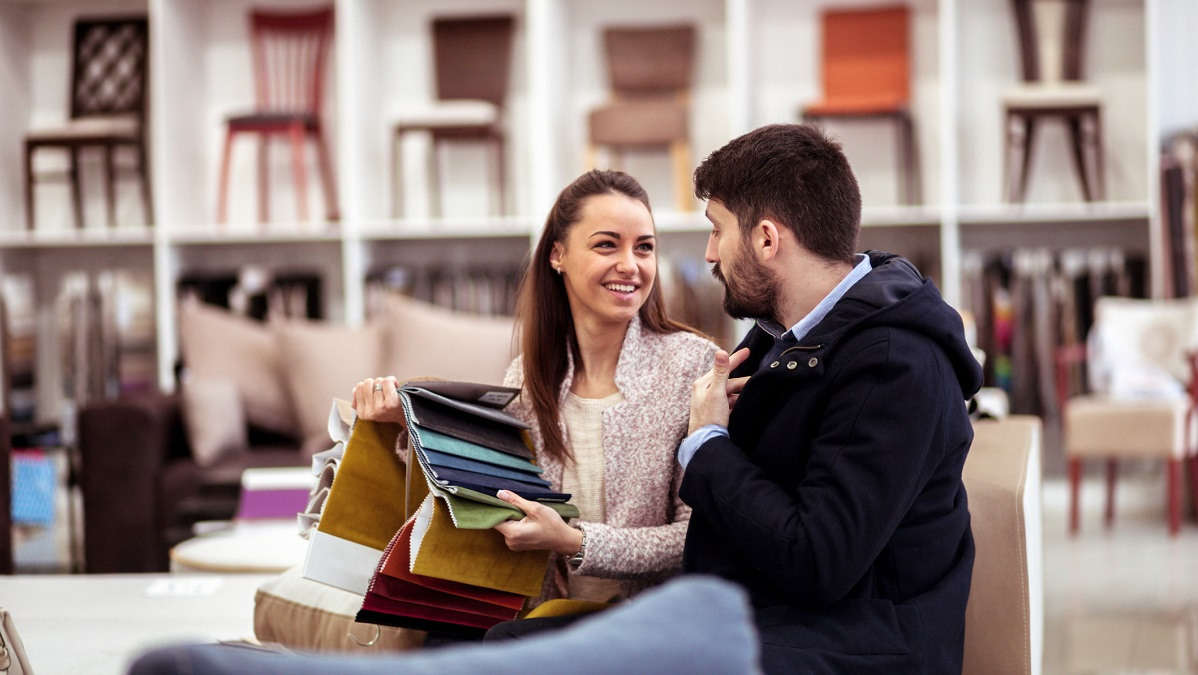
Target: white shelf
[(757, 63)]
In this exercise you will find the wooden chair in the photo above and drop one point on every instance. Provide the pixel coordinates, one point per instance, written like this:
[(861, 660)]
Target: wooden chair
[(472, 58), (866, 76), (108, 110), (650, 70), (1142, 370), (290, 52), (1051, 40)]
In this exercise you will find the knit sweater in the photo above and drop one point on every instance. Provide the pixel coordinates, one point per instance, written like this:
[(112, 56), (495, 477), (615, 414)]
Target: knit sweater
[(640, 541)]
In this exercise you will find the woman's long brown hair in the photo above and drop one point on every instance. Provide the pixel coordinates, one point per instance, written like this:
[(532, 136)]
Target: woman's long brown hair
[(543, 309)]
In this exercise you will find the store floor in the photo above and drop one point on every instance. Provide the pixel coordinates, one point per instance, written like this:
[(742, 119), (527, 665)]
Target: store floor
[(1123, 600)]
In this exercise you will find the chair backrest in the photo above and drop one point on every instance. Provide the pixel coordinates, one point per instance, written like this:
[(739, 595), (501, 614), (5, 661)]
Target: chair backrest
[(1004, 621), (1051, 36), (866, 53), (290, 50), (472, 57), (1134, 342), (645, 61), (111, 57)]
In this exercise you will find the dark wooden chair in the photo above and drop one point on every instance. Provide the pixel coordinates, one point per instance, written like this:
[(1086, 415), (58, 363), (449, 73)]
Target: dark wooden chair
[(650, 69), (472, 62), (108, 102), (866, 73), (1051, 40), (290, 53)]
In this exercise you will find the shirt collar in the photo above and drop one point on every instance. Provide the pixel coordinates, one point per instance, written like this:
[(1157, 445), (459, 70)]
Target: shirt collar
[(805, 324)]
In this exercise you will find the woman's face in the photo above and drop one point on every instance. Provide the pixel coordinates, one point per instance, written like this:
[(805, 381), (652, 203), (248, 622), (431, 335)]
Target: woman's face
[(608, 260)]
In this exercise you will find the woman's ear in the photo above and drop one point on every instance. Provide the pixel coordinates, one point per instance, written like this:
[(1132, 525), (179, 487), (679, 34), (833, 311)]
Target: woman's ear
[(555, 257)]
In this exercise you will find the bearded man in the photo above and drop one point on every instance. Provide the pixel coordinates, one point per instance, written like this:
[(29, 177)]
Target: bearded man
[(824, 459)]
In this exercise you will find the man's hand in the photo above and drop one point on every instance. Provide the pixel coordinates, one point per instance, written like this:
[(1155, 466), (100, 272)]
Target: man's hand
[(541, 528), (714, 394)]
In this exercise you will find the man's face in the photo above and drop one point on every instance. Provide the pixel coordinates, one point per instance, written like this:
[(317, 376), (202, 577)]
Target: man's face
[(750, 289)]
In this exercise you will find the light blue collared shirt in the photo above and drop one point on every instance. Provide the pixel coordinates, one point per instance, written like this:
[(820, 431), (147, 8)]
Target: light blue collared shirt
[(691, 444)]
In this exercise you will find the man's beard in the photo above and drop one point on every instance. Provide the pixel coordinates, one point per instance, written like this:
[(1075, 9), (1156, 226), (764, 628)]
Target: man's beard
[(753, 292)]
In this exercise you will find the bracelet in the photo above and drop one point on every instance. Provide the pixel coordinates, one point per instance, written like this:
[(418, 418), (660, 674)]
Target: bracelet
[(576, 559)]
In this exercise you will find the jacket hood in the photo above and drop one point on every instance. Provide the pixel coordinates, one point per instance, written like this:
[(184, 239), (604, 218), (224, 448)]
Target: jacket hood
[(894, 294)]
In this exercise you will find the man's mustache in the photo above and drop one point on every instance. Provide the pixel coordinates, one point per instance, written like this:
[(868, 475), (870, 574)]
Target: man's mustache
[(715, 272)]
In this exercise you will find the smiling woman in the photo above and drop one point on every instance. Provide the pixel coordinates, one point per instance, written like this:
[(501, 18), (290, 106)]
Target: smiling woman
[(605, 378)]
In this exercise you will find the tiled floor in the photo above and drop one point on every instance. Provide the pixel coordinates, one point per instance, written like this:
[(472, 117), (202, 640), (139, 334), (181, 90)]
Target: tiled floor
[(1123, 600)]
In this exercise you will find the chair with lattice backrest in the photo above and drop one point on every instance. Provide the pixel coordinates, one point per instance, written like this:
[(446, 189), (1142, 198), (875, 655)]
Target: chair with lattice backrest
[(1140, 364), (290, 56), (1051, 40), (650, 70), (472, 58), (866, 75), (108, 111)]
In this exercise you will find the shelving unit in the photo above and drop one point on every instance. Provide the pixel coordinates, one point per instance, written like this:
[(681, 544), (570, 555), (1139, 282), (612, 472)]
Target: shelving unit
[(757, 62)]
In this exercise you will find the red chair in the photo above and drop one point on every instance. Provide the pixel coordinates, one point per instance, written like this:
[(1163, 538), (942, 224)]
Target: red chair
[(866, 75), (290, 52)]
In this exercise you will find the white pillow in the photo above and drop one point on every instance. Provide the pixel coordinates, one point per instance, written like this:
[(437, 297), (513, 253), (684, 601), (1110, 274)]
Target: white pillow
[(213, 417)]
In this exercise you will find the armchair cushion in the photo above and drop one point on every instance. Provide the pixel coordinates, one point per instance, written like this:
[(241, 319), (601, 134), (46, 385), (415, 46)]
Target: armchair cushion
[(423, 339)]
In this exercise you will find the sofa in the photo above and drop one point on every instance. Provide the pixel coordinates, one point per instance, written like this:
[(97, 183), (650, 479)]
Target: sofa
[(251, 394)]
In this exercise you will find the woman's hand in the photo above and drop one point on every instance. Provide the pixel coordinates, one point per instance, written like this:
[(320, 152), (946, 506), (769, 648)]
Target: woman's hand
[(540, 529), (377, 399)]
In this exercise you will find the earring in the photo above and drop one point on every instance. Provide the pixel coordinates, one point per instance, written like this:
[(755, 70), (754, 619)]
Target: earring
[(558, 270)]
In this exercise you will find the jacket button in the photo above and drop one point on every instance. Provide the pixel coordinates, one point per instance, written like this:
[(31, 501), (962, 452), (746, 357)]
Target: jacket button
[(813, 362), (774, 364), (792, 365)]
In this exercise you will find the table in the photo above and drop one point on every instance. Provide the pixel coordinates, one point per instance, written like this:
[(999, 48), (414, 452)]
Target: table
[(247, 547), (100, 623)]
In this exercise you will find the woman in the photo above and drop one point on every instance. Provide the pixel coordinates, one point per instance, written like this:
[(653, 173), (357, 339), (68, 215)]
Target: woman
[(605, 379)]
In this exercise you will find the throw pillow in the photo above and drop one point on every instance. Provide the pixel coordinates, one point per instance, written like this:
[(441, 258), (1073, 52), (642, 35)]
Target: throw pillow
[(213, 417), (324, 361), (215, 343), (424, 339)]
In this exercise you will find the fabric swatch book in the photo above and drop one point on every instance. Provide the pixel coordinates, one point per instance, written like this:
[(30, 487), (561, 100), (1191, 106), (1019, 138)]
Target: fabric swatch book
[(446, 568)]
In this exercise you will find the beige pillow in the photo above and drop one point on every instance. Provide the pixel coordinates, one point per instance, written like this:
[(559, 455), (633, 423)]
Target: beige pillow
[(324, 361), (213, 417), (215, 343), (424, 339), (305, 614)]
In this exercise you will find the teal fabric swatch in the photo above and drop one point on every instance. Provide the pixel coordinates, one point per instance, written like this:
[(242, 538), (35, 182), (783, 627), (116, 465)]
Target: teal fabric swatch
[(433, 440)]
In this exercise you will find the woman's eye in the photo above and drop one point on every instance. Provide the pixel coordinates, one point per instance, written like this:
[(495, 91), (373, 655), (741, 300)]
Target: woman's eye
[(647, 248), (605, 244)]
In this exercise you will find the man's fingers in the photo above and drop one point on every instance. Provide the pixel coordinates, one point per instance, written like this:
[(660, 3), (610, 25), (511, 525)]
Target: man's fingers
[(735, 385), (740, 356)]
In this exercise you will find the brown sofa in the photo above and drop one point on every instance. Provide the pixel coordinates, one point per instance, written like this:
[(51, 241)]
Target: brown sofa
[(143, 492), (153, 465)]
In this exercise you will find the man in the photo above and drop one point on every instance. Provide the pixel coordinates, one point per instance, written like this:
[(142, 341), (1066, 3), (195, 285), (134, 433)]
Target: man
[(825, 475)]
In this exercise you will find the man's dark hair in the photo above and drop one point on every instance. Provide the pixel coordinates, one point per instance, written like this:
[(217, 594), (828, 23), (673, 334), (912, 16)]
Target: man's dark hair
[(794, 175)]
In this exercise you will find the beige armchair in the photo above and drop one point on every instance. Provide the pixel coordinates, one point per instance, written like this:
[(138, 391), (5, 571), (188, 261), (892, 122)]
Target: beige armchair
[(1004, 621), (1139, 365)]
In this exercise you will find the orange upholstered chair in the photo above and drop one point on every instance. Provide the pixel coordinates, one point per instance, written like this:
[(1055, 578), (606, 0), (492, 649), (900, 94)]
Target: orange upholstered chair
[(866, 75), (290, 51)]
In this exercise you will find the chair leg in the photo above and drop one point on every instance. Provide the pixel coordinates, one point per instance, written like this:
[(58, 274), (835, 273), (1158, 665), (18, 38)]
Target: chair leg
[(147, 197), (222, 194), (397, 195), (263, 179), (500, 174), (436, 208), (1112, 477), (1075, 486), (908, 160), (299, 171), (1076, 143), (1193, 462), (680, 153), (591, 160), (332, 212), (76, 189), (30, 207), (1095, 144), (1173, 475), (110, 185)]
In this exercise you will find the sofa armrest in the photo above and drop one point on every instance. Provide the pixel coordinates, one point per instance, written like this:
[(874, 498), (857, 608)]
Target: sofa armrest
[(123, 446)]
